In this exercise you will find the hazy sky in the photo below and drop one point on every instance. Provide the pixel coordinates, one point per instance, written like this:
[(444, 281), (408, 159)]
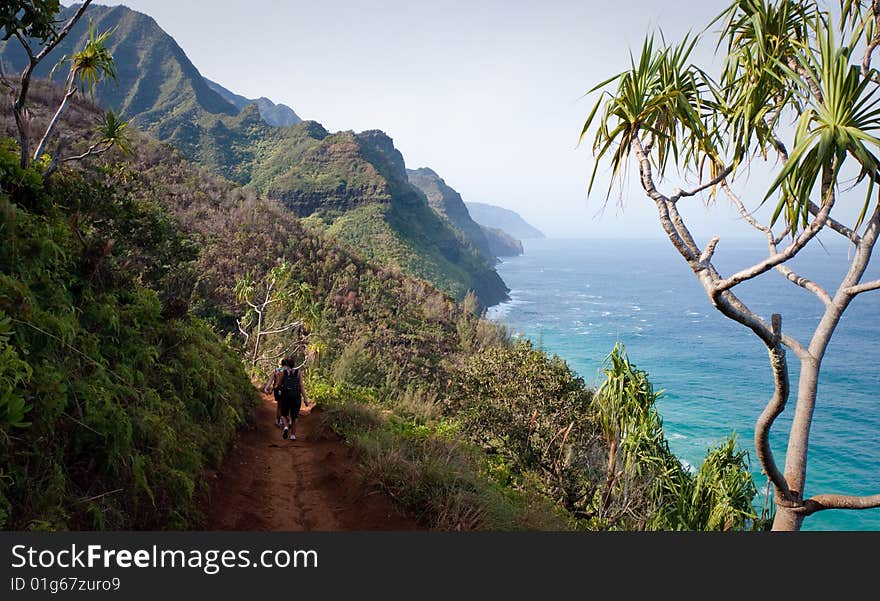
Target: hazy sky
[(486, 93)]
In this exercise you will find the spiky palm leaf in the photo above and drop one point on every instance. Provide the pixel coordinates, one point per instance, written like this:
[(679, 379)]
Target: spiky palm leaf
[(841, 124), (762, 38), (93, 63), (113, 131), (660, 94)]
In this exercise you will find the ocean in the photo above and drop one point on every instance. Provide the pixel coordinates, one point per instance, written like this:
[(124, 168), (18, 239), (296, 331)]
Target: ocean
[(576, 298)]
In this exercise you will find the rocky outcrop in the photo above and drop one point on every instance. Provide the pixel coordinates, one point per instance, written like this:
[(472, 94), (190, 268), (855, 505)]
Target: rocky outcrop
[(501, 243)]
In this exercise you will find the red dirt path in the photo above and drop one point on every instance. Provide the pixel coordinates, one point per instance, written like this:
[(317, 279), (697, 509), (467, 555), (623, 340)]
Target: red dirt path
[(268, 483)]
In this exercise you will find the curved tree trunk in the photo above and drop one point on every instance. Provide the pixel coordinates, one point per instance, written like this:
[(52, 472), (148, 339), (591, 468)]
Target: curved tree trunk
[(789, 513)]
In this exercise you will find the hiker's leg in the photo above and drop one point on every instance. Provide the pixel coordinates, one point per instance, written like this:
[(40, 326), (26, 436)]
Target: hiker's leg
[(285, 416), (294, 413)]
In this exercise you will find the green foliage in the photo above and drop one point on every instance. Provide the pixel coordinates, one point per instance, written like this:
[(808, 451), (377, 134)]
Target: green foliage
[(358, 365), (641, 466), (531, 410), (783, 60), (31, 18), (14, 373), (660, 94), (435, 477), (722, 491), (128, 404)]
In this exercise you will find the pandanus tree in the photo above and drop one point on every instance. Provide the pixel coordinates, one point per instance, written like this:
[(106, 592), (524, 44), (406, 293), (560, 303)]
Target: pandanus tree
[(797, 89), (281, 309), (35, 25)]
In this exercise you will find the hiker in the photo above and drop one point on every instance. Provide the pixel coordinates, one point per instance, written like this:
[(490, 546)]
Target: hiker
[(292, 395), (277, 377)]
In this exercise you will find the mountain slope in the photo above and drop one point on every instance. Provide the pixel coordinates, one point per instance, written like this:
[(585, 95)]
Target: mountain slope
[(449, 205), (279, 115), (309, 169), (501, 243), (157, 86), (503, 219), (355, 187)]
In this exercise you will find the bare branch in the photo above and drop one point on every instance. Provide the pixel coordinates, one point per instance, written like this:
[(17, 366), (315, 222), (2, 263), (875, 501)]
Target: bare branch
[(94, 150), (71, 90), (806, 284), (735, 199), (875, 40), (836, 225), (286, 328), (64, 31), (27, 47), (823, 502), (244, 333), (679, 193), (772, 242), (733, 308), (660, 200), (778, 258), (866, 287), (808, 77), (709, 251)]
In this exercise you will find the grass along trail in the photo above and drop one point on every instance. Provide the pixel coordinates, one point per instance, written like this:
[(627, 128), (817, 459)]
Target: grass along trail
[(267, 483)]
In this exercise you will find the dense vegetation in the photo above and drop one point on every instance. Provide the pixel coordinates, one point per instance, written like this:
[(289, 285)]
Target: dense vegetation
[(111, 403)]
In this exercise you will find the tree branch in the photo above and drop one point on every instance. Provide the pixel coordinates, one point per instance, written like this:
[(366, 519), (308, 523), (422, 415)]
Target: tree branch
[(71, 90), (64, 31), (836, 225), (778, 258), (93, 150), (808, 77), (875, 40), (286, 328), (772, 243), (244, 333), (679, 193), (866, 287), (22, 121), (823, 502), (27, 47)]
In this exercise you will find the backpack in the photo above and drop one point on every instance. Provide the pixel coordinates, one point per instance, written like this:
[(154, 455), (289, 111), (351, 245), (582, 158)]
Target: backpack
[(290, 386)]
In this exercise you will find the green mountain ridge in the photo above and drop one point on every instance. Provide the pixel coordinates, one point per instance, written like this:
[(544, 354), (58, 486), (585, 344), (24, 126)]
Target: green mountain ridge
[(449, 205), (315, 173), (279, 115)]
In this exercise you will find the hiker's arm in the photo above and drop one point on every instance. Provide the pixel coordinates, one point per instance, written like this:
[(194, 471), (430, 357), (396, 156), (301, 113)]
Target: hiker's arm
[(302, 389)]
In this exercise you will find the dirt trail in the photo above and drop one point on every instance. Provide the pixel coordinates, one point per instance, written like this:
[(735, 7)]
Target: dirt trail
[(268, 483)]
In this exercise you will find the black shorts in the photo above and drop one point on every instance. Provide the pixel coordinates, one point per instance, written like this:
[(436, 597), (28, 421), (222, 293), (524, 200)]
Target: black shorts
[(289, 407)]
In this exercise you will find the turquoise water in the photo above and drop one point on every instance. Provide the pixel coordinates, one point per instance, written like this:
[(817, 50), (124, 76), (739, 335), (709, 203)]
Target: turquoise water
[(576, 298)]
